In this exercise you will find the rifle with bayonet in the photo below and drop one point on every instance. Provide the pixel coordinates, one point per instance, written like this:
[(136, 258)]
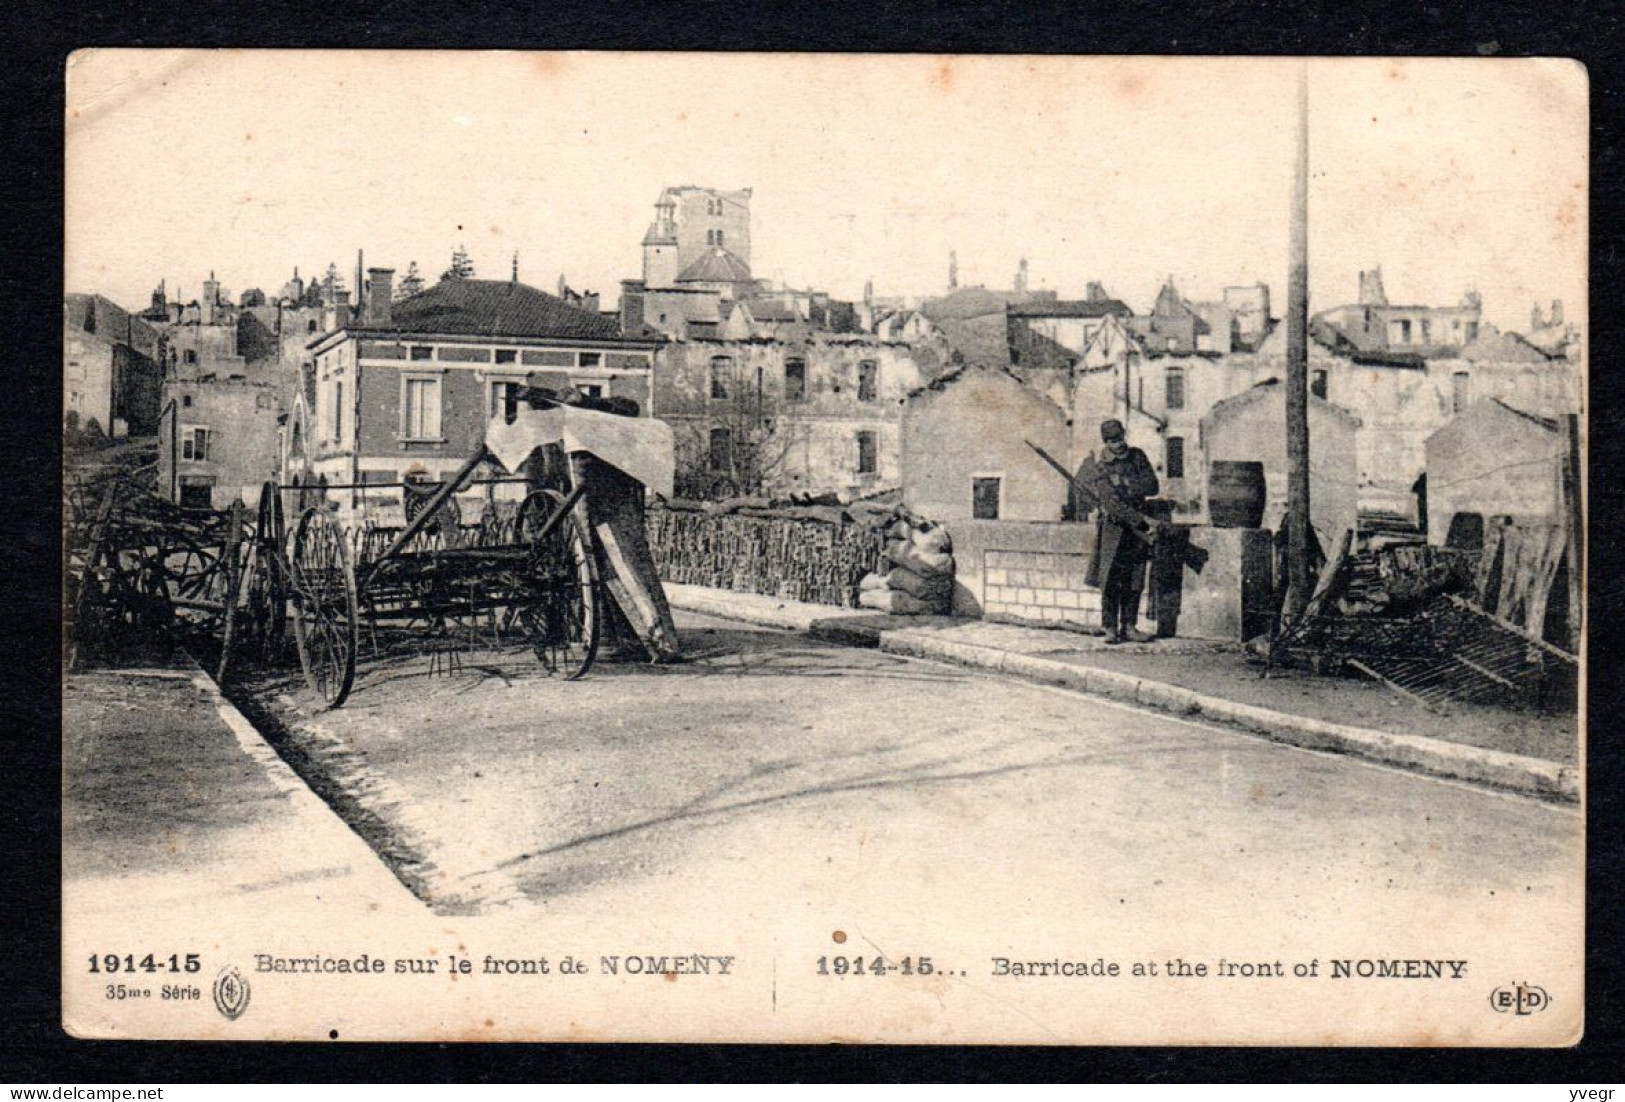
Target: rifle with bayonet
[(1093, 484)]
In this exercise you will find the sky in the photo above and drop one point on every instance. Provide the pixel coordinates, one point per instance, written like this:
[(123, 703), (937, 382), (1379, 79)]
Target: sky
[(1449, 174)]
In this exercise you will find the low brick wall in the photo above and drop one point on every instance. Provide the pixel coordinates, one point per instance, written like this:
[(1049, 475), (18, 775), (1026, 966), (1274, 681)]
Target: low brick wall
[(1032, 573), (1043, 587), (1047, 556)]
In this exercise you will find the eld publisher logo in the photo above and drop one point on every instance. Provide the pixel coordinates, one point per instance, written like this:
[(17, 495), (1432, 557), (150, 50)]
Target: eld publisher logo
[(231, 993), (1521, 999)]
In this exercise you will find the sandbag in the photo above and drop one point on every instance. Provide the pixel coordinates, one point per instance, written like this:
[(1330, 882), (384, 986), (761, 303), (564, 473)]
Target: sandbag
[(890, 600), (905, 554), (927, 587), (934, 540), (872, 581)]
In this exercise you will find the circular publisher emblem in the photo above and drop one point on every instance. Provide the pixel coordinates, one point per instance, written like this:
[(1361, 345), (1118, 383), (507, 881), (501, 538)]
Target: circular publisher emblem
[(231, 993)]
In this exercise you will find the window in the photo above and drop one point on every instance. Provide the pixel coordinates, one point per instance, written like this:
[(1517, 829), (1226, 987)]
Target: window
[(186, 401), (719, 238), (310, 326), (1317, 382), (507, 355), (197, 495), (795, 380), (1461, 391), (589, 359), (420, 408), (984, 498), (866, 453), (189, 356), (1174, 381), (868, 380), (422, 352), (1427, 331), (1405, 331), (721, 449), (194, 442), (721, 373), (710, 237), (504, 401), (592, 390), (1472, 331), (1176, 457)]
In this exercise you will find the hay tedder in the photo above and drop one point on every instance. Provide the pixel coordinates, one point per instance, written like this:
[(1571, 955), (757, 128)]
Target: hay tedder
[(544, 572)]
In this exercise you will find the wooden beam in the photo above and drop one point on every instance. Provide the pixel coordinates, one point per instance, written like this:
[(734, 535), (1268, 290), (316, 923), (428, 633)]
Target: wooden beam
[(1297, 369)]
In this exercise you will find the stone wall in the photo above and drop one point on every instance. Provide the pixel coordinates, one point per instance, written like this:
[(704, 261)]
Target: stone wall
[(1043, 587)]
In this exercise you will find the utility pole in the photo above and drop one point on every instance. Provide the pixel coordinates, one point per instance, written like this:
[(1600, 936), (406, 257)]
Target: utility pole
[(1300, 581)]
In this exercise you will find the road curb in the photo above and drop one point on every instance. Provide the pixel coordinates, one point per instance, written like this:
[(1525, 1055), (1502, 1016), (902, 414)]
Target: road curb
[(1491, 768), (1511, 772), (315, 811)]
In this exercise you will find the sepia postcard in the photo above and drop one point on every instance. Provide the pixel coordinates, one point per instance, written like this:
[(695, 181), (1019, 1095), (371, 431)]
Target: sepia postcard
[(824, 548)]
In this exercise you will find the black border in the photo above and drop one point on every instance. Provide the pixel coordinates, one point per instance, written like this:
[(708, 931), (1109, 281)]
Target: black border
[(39, 38)]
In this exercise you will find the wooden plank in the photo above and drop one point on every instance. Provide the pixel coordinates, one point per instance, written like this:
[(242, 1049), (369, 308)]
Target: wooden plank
[(1515, 629), (1574, 513), (1375, 676)]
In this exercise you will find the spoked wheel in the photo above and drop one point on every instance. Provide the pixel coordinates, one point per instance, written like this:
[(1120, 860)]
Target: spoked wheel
[(323, 590), (561, 618), (265, 627)]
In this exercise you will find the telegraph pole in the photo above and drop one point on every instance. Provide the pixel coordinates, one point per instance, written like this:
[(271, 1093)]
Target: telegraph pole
[(1297, 368)]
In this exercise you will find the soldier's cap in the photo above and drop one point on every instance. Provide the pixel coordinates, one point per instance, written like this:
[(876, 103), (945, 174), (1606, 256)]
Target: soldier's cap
[(1111, 430)]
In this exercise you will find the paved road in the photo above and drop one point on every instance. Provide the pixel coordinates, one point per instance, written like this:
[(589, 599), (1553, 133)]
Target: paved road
[(841, 770)]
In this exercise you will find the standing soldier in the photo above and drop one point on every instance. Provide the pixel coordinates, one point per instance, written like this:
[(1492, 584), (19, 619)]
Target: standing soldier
[(1119, 564)]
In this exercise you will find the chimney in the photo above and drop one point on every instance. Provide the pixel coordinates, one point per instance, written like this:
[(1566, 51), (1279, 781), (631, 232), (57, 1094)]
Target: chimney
[(211, 296), (380, 297), (1537, 320), (1371, 292), (1557, 311)]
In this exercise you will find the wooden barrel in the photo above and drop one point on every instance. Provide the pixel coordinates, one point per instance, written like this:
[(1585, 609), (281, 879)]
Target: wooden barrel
[(1235, 494)]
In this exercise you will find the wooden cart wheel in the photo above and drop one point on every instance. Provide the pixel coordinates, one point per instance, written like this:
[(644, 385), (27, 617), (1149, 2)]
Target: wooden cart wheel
[(266, 626), (325, 614), (561, 619)]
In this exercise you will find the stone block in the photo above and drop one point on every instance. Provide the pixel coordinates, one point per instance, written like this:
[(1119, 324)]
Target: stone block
[(994, 577), (1024, 596), (1225, 600)]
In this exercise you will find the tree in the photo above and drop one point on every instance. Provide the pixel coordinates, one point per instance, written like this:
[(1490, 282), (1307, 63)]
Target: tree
[(461, 266), (739, 447), (411, 282), (332, 283)]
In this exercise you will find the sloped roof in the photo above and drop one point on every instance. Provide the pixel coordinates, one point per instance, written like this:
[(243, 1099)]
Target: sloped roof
[(1267, 387), (976, 371), (1494, 346), (1547, 423), (655, 237), (1550, 339), (981, 340), (971, 302), (767, 310), (494, 308), (1069, 308), (716, 265)]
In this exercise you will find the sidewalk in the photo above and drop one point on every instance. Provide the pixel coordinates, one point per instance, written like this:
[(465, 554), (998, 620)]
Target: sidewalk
[(1531, 755), (171, 798)]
